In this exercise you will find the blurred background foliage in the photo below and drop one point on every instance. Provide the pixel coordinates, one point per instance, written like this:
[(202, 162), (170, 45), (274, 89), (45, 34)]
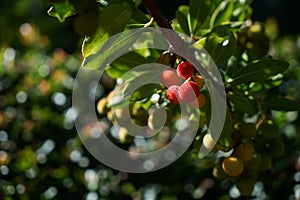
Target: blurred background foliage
[(41, 156)]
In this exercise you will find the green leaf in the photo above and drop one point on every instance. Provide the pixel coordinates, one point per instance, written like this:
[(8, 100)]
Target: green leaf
[(225, 141), (112, 49), (144, 92), (137, 16), (199, 11), (221, 49), (113, 20), (220, 43), (241, 103), (138, 77), (115, 72), (129, 60), (258, 71), (181, 16), (62, 10), (223, 13), (281, 104), (124, 63), (242, 13)]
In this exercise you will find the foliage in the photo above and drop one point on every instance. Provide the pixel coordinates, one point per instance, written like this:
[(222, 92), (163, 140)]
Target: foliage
[(42, 157)]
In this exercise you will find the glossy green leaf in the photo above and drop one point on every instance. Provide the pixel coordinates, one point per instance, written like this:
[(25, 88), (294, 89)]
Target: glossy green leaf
[(124, 63), (62, 10), (114, 72), (242, 13), (144, 92), (137, 16), (259, 70), (225, 141), (241, 103), (223, 13), (181, 16), (110, 50), (137, 77), (220, 44), (199, 11), (223, 49), (113, 20), (129, 60), (281, 103)]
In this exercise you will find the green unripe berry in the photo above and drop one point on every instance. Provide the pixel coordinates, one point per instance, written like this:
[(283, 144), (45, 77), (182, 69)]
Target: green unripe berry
[(245, 151), (269, 129), (276, 148), (139, 115), (248, 130), (245, 186), (209, 142), (254, 163), (266, 162)]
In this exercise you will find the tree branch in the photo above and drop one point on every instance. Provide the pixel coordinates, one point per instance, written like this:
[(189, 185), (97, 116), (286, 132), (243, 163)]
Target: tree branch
[(155, 12)]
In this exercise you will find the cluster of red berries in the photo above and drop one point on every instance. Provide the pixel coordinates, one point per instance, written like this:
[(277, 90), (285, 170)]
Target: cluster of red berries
[(183, 86)]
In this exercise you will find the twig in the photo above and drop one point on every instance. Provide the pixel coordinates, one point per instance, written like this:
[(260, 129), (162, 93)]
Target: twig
[(155, 12)]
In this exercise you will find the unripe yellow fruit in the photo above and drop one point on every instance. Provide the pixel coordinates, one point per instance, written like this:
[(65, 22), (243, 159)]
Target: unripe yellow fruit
[(209, 142), (124, 137), (157, 118), (111, 95), (139, 114), (4, 158), (233, 166), (199, 102), (110, 116), (121, 116), (102, 106), (245, 151), (199, 80)]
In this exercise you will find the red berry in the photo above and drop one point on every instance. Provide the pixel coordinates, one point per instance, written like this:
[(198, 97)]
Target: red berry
[(172, 94), (169, 78), (185, 70), (188, 91)]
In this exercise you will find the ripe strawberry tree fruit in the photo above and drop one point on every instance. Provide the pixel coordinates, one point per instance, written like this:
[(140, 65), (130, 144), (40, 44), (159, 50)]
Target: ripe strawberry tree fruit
[(185, 70), (172, 94), (170, 77), (188, 91)]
